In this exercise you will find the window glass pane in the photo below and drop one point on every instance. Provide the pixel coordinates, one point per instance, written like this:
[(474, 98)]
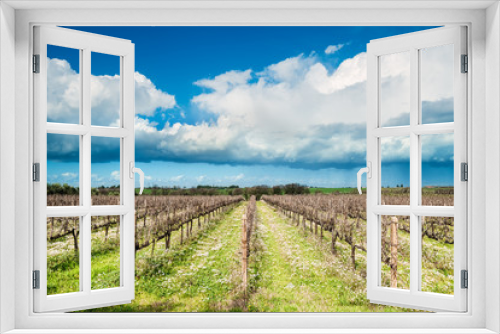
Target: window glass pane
[(395, 89), (63, 170), (395, 170), (63, 256), (436, 84), (437, 169), (438, 254), (395, 251), (105, 90), (105, 252), (63, 85), (106, 172)]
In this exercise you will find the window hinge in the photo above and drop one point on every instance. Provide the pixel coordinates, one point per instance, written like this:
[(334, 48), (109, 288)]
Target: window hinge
[(465, 64), (465, 279), (36, 172), (36, 63), (464, 171), (36, 279)]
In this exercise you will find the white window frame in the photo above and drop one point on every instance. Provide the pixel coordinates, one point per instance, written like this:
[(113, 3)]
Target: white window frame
[(413, 43), (85, 44), (484, 47)]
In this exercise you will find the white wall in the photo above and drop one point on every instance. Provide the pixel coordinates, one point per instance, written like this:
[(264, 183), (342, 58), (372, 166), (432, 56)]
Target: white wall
[(7, 161), (187, 17), (492, 164)]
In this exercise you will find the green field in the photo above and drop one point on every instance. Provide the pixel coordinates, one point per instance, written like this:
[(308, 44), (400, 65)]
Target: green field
[(290, 269), (336, 190), (312, 190)]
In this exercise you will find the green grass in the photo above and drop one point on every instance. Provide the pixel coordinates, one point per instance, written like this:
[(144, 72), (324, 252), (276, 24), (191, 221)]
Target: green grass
[(220, 191), (437, 261), (336, 190), (299, 273), (62, 266), (105, 263), (202, 275), (63, 263), (313, 190), (290, 270)]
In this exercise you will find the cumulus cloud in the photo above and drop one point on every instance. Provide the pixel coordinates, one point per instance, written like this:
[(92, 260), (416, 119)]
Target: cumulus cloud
[(331, 49), (437, 73), (436, 149), (148, 98), (287, 114), (294, 113), (63, 92), (115, 175), (225, 81), (69, 175), (176, 178), (350, 72), (236, 177), (63, 95), (63, 148)]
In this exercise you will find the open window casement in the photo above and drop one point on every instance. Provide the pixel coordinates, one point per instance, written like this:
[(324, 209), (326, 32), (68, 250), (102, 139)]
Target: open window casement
[(56, 133), (417, 88)]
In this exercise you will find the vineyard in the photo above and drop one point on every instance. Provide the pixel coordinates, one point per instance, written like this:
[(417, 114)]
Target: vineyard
[(284, 253), (344, 217)]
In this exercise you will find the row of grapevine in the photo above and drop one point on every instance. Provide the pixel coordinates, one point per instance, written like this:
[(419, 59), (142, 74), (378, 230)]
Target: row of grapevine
[(248, 222), (157, 217), (322, 210), (345, 217), (342, 215)]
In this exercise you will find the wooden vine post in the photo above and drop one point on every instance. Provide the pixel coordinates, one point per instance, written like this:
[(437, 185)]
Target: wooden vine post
[(394, 252), (244, 250)]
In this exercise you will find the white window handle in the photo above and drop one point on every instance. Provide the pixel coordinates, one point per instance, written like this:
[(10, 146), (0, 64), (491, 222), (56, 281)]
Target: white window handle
[(134, 170), (368, 171)]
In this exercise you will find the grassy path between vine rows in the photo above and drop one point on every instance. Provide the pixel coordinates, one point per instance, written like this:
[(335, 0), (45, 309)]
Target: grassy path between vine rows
[(290, 270), (202, 275), (297, 273)]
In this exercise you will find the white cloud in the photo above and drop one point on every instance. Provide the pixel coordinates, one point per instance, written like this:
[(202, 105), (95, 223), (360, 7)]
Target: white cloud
[(96, 178), (288, 71), (294, 113), (236, 177), (148, 98), (395, 149), (63, 92), (225, 81), (200, 178), (350, 72), (275, 116), (63, 95), (437, 73), (176, 178), (436, 148), (69, 175), (115, 175), (331, 49)]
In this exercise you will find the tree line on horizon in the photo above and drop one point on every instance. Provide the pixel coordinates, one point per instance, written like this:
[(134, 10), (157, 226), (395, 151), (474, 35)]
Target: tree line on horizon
[(203, 190)]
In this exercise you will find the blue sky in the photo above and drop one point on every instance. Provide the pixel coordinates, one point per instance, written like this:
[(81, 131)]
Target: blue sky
[(240, 105)]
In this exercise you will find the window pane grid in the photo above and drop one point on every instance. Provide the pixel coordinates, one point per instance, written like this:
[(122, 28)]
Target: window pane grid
[(75, 243), (416, 211), (85, 130)]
